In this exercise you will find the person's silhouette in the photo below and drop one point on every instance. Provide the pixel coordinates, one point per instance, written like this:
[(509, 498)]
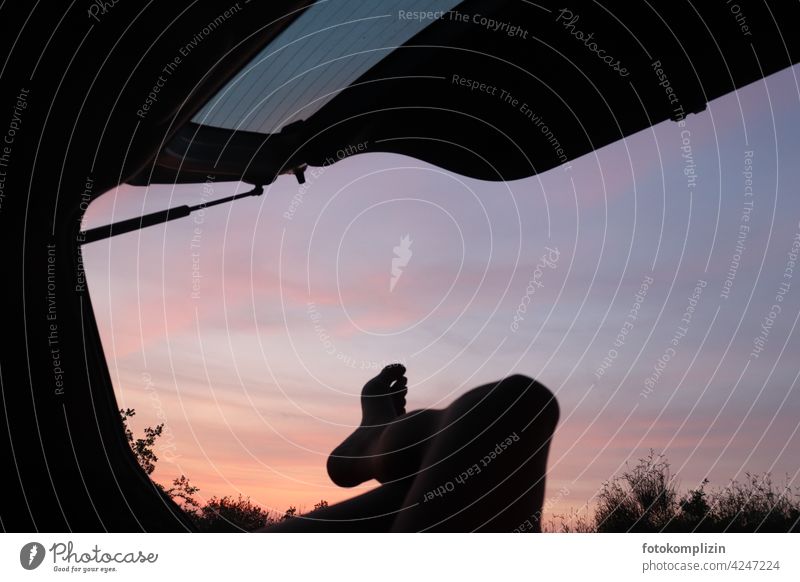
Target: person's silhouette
[(477, 465)]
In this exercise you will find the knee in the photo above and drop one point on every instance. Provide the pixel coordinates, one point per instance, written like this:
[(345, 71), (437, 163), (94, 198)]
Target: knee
[(519, 382), (529, 396), (516, 400)]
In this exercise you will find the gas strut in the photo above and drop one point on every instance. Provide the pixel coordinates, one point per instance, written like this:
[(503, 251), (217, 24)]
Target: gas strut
[(140, 222)]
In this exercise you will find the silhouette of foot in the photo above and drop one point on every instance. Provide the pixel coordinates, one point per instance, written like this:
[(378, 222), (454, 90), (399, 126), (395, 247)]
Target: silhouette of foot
[(384, 397), (382, 400)]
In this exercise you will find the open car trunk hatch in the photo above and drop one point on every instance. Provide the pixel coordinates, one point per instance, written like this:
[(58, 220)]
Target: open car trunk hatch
[(495, 90)]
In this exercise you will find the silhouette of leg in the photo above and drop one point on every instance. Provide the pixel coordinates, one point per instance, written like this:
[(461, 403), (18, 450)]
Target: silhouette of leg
[(485, 470), (373, 511), (383, 400), (478, 465)]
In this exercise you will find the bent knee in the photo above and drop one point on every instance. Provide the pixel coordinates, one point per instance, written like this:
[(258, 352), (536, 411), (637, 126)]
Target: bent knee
[(518, 399), (528, 396)]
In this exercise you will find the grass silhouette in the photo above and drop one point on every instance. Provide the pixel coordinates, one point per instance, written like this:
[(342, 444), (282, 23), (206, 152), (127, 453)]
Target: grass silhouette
[(645, 498)]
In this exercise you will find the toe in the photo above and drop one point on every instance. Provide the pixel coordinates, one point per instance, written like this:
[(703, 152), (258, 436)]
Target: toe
[(398, 391), (399, 388), (393, 371)]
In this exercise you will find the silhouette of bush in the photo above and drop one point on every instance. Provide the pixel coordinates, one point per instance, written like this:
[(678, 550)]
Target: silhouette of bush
[(228, 514), (645, 499), (142, 448), (289, 514), (754, 505), (183, 492), (219, 514)]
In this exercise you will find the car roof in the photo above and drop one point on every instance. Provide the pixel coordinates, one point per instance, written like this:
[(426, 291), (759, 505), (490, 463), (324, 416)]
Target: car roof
[(495, 90)]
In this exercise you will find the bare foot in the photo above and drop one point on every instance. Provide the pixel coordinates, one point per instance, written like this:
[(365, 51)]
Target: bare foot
[(384, 397), (382, 400)]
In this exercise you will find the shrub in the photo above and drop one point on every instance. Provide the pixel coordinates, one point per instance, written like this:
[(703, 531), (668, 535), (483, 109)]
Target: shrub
[(645, 499), (228, 514)]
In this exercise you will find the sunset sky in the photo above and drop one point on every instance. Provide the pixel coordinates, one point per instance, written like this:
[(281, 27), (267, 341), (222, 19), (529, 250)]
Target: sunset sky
[(256, 370)]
